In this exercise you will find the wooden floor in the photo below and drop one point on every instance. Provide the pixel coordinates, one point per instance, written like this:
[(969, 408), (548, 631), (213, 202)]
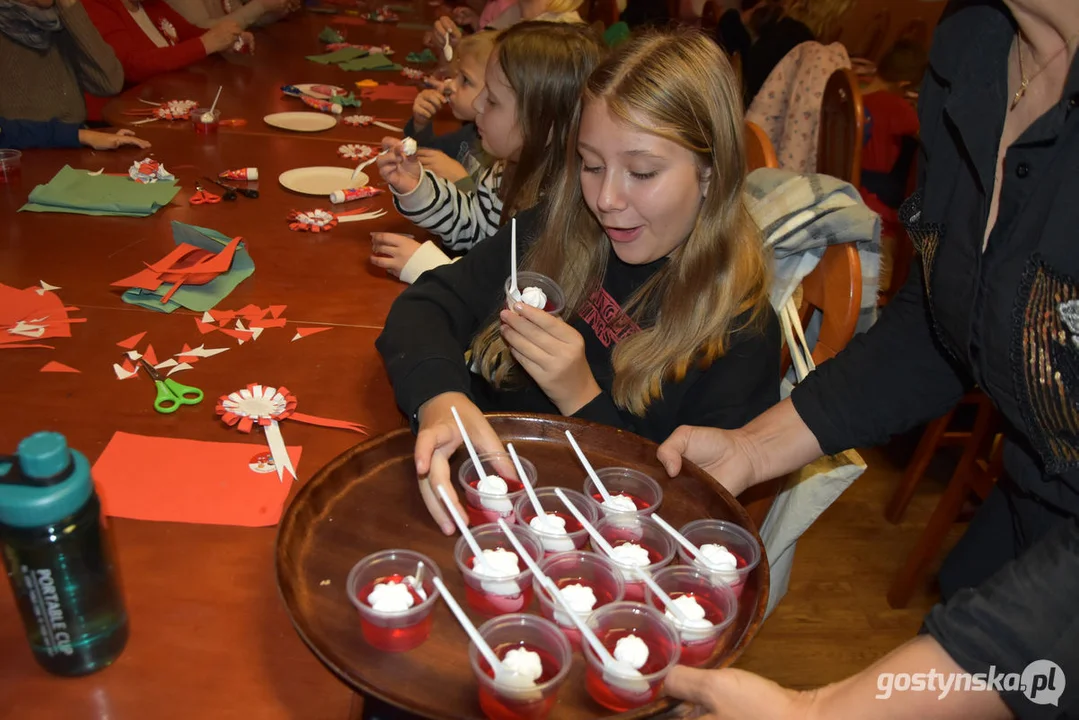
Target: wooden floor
[(835, 619)]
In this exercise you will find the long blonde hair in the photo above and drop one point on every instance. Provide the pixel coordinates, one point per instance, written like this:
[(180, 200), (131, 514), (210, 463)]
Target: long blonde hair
[(678, 86)]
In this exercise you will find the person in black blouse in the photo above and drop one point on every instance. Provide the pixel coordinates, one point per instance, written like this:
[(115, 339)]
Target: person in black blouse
[(667, 318), (994, 302)]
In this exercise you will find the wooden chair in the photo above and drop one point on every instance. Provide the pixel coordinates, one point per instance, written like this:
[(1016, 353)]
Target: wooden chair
[(759, 150), (842, 128), (874, 35), (977, 471)]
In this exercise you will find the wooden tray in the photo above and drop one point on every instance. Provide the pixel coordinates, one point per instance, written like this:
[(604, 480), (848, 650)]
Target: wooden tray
[(367, 500)]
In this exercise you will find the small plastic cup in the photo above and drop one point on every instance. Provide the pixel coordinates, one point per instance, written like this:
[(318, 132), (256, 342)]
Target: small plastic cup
[(396, 631), (10, 166), (510, 632), (578, 568), (202, 127), (497, 596), (738, 541), (715, 598), (487, 508), (575, 536), (556, 299), (620, 529), (613, 622), (645, 492)]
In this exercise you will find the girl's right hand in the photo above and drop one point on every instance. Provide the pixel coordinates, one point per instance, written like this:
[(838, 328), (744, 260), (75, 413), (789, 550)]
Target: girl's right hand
[(444, 27), (426, 105), (221, 37), (399, 170), (437, 440)]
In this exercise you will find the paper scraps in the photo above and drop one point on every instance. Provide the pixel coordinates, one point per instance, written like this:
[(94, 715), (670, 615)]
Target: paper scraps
[(267, 406), (45, 287), (421, 58), (329, 35), (32, 314), (400, 94), (57, 367), (132, 342), (414, 74), (203, 269), (384, 49), (149, 171), (127, 370), (200, 352), (303, 332), (191, 481), (382, 15)]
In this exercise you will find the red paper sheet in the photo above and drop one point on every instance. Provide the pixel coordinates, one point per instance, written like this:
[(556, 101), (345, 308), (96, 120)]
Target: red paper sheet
[(173, 480), (42, 310)]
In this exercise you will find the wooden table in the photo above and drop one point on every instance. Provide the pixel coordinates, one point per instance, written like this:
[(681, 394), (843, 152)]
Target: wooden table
[(209, 636)]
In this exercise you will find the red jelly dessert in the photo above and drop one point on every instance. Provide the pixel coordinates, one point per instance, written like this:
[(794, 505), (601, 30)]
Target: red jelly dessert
[(490, 603), (641, 504), (394, 639), (621, 699), (501, 707)]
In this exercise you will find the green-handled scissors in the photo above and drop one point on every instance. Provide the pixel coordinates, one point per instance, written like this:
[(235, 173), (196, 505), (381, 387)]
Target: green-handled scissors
[(171, 394)]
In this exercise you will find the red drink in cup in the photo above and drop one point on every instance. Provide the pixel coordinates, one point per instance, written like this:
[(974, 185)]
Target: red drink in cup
[(483, 501), (512, 634), (10, 167), (407, 575), (576, 574), (502, 593), (656, 548), (205, 121), (615, 622), (547, 530), (699, 636), (732, 552), (634, 485)]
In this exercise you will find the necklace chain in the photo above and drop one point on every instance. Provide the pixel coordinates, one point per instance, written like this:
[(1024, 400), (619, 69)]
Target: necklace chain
[(1025, 81)]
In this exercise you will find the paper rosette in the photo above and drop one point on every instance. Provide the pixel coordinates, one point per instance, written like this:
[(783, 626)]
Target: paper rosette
[(317, 220), (356, 152), (266, 406), (359, 120)]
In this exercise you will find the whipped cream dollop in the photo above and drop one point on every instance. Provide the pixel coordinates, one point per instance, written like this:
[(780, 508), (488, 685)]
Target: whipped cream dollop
[(581, 598), (692, 612), (631, 554), (552, 532), (620, 503), (390, 597), (493, 485), (206, 117), (408, 146), (524, 662), (720, 561), (632, 651), (535, 297), (498, 563)]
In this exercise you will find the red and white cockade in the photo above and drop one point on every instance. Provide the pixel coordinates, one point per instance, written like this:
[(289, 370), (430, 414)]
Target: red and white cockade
[(356, 152)]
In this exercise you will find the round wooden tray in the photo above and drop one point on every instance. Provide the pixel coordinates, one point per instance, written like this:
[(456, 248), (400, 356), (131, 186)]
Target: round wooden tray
[(366, 500)]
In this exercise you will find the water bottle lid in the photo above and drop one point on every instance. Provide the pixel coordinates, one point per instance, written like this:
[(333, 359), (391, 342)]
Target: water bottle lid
[(49, 483)]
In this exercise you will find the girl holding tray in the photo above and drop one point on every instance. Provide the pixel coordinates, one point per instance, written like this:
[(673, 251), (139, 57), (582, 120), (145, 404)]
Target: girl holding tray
[(666, 320)]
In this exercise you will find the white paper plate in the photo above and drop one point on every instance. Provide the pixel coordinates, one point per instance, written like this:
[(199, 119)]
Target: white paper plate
[(309, 89), (301, 121), (321, 180)]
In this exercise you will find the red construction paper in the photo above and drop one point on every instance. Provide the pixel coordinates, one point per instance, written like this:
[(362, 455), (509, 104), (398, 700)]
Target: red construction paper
[(27, 306), (267, 323), (307, 331), (252, 312), (132, 342), (205, 328), (150, 356), (174, 480), (128, 365), (185, 264), (241, 335), (391, 91), (58, 368), (276, 310), (222, 315), (185, 348)]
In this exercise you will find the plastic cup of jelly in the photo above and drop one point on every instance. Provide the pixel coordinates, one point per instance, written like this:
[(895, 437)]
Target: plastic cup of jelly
[(395, 631)]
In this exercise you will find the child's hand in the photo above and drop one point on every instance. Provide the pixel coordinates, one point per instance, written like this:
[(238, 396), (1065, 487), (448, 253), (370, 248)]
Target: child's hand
[(465, 15), (425, 107), (552, 353), (399, 170), (110, 141), (391, 251), (445, 27), (441, 164)]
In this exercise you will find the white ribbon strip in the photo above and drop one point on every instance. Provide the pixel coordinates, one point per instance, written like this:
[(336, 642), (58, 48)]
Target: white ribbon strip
[(278, 450)]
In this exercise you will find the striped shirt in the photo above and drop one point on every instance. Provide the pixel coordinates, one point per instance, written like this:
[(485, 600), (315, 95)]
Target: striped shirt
[(460, 218)]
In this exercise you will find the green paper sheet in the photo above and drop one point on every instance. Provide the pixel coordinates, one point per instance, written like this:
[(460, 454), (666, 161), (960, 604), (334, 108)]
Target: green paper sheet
[(374, 61), (407, 9), (349, 100), (337, 56), (329, 35), (199, 298), (416, 26), (421, 57), (78, 192)]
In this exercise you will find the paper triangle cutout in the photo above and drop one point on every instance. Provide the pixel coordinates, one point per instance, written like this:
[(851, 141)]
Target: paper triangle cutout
[(240, 325), (276, 310), (59, 367), (46, 287), (168, 363), (306, 331), (150, 356), (131, 342), (222, 315), (205, 328), (178, 368), (133, 354), (123, 373), (255, 332), (207, 317), (184, 350)]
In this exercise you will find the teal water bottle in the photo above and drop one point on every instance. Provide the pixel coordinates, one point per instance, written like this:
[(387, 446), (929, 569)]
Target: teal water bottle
[(59, 558)]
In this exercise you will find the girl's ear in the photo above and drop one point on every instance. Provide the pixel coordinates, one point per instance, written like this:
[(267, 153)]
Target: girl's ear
[(705, 177)]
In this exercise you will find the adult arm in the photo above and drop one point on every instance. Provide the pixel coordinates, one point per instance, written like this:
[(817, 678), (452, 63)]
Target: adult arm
[(26, 134), (96, 66), (140, 60)]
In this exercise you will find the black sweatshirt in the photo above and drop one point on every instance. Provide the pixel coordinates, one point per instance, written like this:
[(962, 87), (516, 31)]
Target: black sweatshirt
[(432, 323)]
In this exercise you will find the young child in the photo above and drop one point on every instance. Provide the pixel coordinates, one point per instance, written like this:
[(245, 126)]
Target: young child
[(523, 115), (893, 129), (667, 319), (452, 156)]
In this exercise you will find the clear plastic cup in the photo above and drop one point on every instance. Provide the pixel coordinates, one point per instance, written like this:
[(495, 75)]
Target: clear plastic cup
[(575, 536), (497, 596), (736, 539), (715, 598), (510, 632), (485, 507), (394, 631), (201, 126), (620, 529), (645, 492), (578, 568), (556, 299), (613, 622), (10, 166)]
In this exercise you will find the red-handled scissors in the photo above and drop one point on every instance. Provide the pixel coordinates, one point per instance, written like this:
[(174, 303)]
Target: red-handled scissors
[(203, 197)]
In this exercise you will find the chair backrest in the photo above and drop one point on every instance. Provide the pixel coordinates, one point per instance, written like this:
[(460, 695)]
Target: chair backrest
[(874, 35), (835, 289), (759, 150), (842, 125)]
